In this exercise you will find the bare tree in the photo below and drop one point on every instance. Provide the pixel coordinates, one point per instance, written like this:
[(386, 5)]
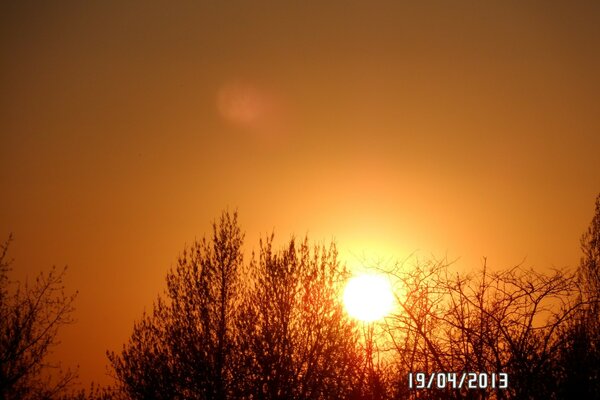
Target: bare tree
[(502, 322), (589, 267), (30, 318), (295, 338), (271, 329), (183, 349), (578, 364), (276, 329), (414, 331)]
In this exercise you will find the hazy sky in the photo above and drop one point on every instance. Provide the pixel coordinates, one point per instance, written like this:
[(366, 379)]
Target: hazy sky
[(447, 128)]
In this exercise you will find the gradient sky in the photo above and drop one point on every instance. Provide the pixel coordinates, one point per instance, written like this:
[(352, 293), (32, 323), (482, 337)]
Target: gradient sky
[(445, 128)]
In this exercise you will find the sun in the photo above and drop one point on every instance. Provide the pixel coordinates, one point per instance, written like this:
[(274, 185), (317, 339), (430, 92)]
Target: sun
[(368, 297)]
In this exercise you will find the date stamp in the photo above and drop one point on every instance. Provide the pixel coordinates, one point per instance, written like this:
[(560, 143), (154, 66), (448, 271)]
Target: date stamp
[(457, 380)]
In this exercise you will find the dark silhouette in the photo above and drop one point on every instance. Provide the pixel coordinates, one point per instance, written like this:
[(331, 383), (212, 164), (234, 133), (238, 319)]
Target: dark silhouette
[(274, 327), (578, 362), (294, 338), (502, 322), (184, 348), (589, 270), (30, 317)]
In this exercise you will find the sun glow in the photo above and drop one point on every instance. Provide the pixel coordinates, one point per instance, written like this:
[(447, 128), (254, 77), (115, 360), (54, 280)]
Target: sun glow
[(368, 297)]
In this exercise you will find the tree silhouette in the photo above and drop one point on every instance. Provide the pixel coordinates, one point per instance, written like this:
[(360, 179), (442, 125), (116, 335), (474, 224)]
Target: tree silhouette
[(295, 339), (589, 267), (274, 328), (30, 317), (502, 322), (270, 329), (184, 348), (578, 364)]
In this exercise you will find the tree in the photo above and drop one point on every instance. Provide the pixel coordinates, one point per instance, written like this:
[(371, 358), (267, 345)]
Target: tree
[(275, 328), (578, 364), (270, 329), (589, 266), (30, 318), (183, 349), (502, 322), (295, 339)]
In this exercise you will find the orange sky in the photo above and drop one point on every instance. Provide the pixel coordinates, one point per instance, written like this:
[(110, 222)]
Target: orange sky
[(469, 130)]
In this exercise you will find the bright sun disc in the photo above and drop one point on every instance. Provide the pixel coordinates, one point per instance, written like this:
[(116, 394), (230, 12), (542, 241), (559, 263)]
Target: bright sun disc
[(368, 297)]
